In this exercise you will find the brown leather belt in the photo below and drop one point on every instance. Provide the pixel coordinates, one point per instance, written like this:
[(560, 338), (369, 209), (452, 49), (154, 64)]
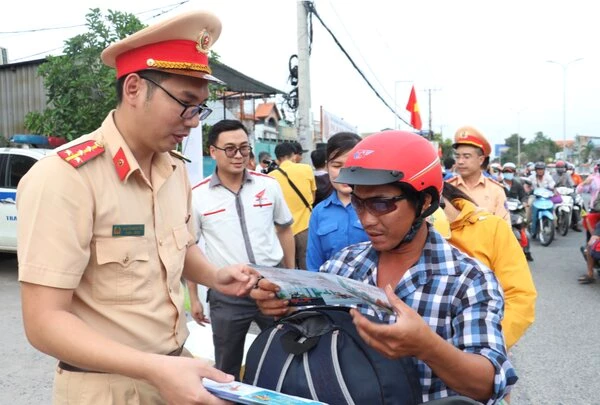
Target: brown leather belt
[(67, 367)]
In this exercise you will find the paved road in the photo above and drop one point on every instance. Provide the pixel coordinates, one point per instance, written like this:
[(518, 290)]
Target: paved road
[(558, 360)]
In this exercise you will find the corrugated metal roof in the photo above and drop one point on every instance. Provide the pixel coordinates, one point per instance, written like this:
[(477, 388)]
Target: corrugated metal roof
[(22, 91)]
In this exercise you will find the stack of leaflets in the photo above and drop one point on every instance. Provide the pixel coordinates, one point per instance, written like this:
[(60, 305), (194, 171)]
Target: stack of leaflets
[(249, 394), (306, 289)]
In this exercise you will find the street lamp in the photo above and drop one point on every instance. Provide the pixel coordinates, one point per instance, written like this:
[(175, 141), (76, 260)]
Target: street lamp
[(564, 67)]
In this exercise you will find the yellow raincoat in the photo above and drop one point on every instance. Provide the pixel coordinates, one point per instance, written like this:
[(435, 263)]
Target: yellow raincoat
[(490, 240)]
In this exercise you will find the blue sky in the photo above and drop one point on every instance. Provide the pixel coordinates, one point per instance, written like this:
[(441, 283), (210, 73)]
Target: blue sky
[(485, 61)]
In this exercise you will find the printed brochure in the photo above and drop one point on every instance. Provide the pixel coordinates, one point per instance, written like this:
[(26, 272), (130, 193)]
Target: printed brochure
[(249, 394), (305, 289)]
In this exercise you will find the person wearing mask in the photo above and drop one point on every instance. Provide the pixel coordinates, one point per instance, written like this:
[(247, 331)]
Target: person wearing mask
[(334, 224), (488, 239), (105, 232), (324, 187), (561, 177), (298, 184), (512, 185), (529, 169), (471, 151), (235, 207), (447, 306), (539, 179)]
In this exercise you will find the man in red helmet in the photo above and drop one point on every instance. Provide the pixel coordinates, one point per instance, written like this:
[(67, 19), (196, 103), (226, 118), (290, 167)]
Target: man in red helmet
[(447, 306)]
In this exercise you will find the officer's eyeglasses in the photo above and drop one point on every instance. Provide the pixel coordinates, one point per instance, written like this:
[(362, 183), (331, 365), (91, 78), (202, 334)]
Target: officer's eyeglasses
[(189, 110), (376, 205), (231, 151)]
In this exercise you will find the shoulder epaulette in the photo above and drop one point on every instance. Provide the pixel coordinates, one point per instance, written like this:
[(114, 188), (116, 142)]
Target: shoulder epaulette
[(79, 154), (179, 155), (496, 182)]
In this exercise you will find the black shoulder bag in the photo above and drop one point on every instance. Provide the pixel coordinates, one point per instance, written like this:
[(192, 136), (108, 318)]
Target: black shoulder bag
[(296, 189)]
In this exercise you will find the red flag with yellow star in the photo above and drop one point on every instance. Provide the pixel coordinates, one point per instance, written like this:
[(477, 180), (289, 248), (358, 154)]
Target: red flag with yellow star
[(413, 108)]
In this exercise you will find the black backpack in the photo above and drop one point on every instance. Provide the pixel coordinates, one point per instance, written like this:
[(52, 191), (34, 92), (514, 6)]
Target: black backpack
[(318, 354)]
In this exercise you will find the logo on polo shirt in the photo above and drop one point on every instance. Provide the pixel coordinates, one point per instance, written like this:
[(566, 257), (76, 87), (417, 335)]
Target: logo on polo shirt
[(261, 200)]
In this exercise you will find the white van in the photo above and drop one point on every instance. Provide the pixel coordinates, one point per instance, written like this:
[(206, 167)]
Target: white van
[(14, 163)]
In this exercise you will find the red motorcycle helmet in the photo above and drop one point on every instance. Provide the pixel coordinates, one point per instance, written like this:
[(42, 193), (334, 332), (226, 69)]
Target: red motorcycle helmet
[(396, 156)]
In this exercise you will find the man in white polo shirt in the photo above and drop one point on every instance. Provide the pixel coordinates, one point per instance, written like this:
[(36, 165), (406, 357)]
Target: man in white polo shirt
[(243, 218)]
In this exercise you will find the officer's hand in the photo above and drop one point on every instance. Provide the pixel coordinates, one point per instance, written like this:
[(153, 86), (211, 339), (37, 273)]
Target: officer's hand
[(409, 336), (179, 380), (236, 280), (197, 312), (267, 301)]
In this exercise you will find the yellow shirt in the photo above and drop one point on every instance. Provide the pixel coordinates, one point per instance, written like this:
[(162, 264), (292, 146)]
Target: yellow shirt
[(115, 237), (488, 239), (487, 193), (303, 178)]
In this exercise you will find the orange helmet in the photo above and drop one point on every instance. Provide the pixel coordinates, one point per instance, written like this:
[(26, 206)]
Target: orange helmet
[(396, 156)]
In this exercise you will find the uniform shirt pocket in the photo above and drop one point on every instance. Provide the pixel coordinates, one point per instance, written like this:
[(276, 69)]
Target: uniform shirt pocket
[(122, 274)]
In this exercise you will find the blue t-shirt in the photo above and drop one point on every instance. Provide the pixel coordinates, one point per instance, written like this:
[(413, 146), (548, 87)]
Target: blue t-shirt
[(331, 228)]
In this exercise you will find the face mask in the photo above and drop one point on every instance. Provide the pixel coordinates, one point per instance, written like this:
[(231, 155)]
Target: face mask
[(508, 176)]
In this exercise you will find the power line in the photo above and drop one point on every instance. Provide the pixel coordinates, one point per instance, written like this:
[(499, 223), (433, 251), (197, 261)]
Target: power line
[(170, 8), (312, 10), (27, 31), (360, 53)]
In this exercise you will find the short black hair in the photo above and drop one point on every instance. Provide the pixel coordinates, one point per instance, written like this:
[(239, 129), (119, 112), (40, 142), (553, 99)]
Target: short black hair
[(318, 158), (224, 126), (284, 149), (341, 143), (449, 162), (297, 147), (155, 75)]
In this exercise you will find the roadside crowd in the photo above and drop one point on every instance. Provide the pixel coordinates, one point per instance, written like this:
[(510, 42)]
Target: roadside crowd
[(109, 226)]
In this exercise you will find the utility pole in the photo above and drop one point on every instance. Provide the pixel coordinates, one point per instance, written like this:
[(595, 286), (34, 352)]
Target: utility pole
[(429, 105), (303, 121)]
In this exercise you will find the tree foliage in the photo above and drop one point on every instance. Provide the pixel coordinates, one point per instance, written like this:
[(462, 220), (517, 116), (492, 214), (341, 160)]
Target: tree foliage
[(80, 88), (540, 148)]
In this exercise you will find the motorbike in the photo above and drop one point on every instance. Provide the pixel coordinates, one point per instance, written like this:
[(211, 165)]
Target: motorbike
[(542, 216), (564, 209), (519, 224), (589, 221), (578, 211)]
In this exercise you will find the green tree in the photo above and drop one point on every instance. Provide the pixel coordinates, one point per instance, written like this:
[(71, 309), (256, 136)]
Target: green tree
[(80, 88), (541, 148)]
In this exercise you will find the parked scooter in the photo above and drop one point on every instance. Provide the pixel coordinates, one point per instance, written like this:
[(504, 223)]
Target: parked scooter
[(564, 209), (518, 220), (542, 217)]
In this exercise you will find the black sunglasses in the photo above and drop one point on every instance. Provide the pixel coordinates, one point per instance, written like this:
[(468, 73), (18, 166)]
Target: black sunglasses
[(376, 205), (189, 110)]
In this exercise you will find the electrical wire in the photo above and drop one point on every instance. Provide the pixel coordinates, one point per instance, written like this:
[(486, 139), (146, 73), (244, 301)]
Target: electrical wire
[(165, 9), (359, 52), (312, 10), (172, 7)]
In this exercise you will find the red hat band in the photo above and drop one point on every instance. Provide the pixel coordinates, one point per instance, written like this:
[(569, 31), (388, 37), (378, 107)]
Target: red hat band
[(470, 140), (172, 54)]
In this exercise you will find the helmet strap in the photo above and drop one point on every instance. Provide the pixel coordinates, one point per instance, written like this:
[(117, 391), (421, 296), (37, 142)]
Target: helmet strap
[(419, 218)]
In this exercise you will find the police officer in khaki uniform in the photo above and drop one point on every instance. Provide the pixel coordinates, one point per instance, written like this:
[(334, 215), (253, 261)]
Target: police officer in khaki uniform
[(105, 233), (472, 153)]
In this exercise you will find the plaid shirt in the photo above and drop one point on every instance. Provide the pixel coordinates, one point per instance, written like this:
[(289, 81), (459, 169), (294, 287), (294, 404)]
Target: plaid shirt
[(456, 295)]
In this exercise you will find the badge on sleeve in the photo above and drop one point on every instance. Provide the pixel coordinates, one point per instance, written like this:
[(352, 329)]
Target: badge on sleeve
[(80, 154), (128, 230)]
